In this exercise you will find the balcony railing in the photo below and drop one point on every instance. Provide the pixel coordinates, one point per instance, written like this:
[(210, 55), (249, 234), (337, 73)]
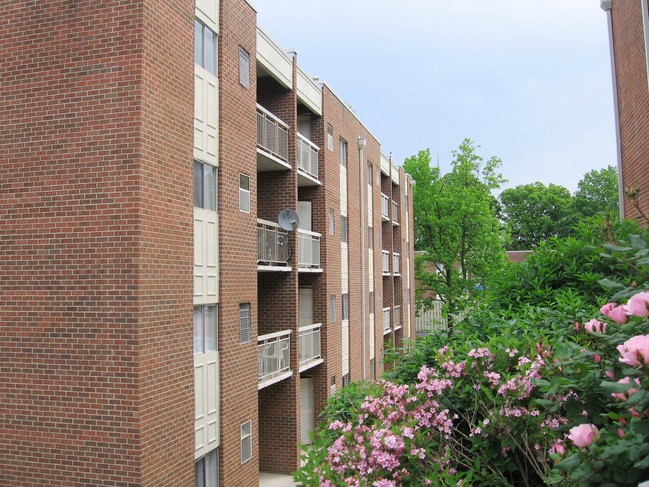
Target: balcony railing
[(307, 156), (397, 316), (274, 357), (395, 212), (272, 134), (308, 249), (386, 320), (385, 262), (272, 244), (385, 207), (310, 352), (396, 259)]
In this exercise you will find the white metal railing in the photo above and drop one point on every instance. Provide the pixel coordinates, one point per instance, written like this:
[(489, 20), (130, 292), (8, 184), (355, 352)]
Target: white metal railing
[(308, 244), (385, 262), (274, 354), (396, 311), (431, 319), (395, 212), (272, 243), (307, 156), (309, 344), (385, 207), (386, 320), (396, 258), (272, 134)]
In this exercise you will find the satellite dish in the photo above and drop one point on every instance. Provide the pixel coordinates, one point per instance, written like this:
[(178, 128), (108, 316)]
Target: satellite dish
[(288, 219)]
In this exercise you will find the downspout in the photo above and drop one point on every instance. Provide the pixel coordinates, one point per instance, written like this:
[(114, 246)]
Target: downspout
[(606, 6), (361, 155)]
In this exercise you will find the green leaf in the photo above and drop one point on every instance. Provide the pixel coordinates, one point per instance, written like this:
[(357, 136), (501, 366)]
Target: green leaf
[(641, 427), (637, 242), (616, 248), (608, 283), (568, 464), (615, 387)]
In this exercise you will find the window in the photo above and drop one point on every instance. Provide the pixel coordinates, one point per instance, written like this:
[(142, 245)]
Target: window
[(244, 67), (205, 329), (378, 238), (244, 193), (345, 307), (369, 174), (343, 152), (207, 470), (343, 228), (205, 50), (246, 441), (330, 137), (345, 380), (331, 221), (378, 178), (244, 323), (205, 186), (332, 308), (371, 302), (370, 237)]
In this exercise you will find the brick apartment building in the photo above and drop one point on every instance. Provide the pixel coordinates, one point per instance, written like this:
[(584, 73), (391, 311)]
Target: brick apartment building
[(628, 22), (159, 327)]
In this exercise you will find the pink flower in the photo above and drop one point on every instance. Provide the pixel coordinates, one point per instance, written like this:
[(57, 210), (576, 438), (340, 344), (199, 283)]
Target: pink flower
[(577, 325), (621, 433), (635, 351), (597, 358), (624, 396), (583, 435), (607, 308), (618, 315), (638, 305), (558, 448), (595, 326)]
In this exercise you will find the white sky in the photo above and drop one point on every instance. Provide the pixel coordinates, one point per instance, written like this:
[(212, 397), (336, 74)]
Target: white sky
[(527, 80)]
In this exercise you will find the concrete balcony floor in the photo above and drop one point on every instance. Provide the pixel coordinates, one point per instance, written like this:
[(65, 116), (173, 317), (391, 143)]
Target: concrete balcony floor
[(275, 480)]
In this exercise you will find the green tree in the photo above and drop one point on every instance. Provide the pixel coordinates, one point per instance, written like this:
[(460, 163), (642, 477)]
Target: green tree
[(534, 213), (459, 239), (597, 193)]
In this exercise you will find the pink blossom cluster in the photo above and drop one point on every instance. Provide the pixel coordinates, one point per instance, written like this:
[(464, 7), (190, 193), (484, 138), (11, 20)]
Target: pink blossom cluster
[(637, 305), (635, 351)]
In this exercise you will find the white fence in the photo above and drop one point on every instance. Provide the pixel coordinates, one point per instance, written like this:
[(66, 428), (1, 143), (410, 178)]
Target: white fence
[(431, 319)]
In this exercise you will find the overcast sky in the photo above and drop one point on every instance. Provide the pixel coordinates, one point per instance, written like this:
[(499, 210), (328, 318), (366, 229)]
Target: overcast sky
[(527, 80)]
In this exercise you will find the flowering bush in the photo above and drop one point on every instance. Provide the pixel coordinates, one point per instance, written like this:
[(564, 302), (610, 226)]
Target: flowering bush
[(535, 400)]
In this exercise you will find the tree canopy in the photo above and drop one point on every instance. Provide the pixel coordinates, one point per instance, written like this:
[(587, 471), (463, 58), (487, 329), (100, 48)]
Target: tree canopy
[(597, 193), (459, 238)]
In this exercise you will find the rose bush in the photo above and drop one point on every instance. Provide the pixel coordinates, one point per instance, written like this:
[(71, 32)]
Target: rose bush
[(522, 394)]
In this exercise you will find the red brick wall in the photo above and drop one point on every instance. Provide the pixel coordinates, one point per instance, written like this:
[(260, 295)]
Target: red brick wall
[(96, 205), (238, 242), (633, 99)]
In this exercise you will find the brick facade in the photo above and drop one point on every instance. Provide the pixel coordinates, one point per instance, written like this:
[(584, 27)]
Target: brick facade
[(96, 248), (632, 97), (97, 381)]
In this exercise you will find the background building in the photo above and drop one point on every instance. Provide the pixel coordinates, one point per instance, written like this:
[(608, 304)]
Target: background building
[(628, 22), (159, 326)]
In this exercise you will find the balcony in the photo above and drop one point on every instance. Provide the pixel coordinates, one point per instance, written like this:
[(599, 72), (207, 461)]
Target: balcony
[(396, 312), (395, 213), (308, 244), (386, 320), (274, 358), (396, 260), (310, 352), (307, 162), (385, 208), (272, 142), (385, 262), (273, 249)]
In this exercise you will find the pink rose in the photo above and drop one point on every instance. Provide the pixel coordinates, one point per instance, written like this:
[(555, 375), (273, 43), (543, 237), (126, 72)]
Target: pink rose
[(595, 326), (606, 309), (583, 435), (635, 351), (618, 315), (624, 396), (638, 305)]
